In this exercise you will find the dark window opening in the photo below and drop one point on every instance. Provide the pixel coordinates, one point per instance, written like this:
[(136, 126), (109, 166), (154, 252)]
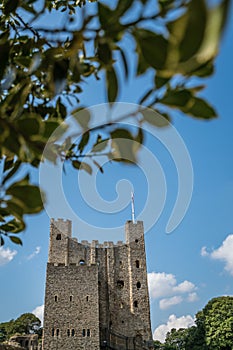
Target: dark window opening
[(71, 297), (57, 333), (58, 238), (110, 323), (82, 262), (137, 263), (53, 332), (84, 332), (26, 343), (122, 321), (87, 297), (55, 298), (72, 332), (99, 283), (88, 333), (120, 284), (135, 303), (138, 285), (136, 240), (68, 332), (121, 264)]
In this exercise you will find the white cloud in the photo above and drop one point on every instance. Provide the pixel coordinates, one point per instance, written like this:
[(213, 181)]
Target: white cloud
[(165, 285), (6, 255), (192, 297), (36, 252), (184, 287), (223, 253), (204, 251), (39, 312), (173, 322), (168, 302)]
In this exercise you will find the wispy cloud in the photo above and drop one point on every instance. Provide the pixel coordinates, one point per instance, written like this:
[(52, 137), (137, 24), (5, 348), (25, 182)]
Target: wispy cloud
[(36, 252), (173, 322), (168, 302), (223, 253), (6, 255), (165, 285)]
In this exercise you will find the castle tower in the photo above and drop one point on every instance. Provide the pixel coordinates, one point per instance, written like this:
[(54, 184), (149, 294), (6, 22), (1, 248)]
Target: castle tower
[(96, 294)]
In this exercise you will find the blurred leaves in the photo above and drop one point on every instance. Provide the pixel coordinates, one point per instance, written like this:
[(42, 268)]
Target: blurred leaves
[(44, 71)]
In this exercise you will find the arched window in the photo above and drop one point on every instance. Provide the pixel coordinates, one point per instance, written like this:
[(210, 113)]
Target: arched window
[(53, 332), (138, 285), (58, 237), (137, 264), (87, 298), (71, 297), (72, 332), (68, 332), (121, 305), (84, 332), (88, 333), (55, 298), (135, 304), (57, 333), (81, 262)]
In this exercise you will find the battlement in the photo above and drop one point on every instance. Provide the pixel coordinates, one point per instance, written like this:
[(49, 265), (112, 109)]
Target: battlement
[(64, 226)]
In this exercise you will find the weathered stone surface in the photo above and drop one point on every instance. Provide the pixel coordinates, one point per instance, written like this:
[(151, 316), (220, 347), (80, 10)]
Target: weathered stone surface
[(96, 293)]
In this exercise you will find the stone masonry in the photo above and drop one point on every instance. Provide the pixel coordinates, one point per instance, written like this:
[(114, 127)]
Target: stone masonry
[(96, 294)]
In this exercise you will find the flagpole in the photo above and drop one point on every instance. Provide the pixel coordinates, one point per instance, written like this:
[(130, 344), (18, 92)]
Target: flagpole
[(132, 207)]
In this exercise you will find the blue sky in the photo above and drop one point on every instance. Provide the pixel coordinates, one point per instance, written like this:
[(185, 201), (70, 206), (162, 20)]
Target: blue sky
[(187, 267)]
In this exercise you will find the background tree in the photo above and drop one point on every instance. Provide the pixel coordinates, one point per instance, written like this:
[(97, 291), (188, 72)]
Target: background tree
[(25, 324), (213, 329), (43, 71)]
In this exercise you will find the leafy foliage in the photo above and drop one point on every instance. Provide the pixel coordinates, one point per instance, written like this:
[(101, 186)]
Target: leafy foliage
[(24, 324), (44, 70), (213, 330)]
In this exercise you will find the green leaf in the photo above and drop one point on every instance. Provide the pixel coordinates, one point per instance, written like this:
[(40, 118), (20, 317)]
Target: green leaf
[(86, 167), (98, 166), (4, 57), (29, 126), (153, 117), (123, 146), (82, 117), (1, 241), (26, 196), (13, 226), (16, 166), (100, 144), (112, 85), (76, 164), (104, 53), (84, 141), (177, 98), (195, 29), (123, 6), (200, 109), (160, 81), (10, 6), (16, 240), (125, 64), (153, 47)]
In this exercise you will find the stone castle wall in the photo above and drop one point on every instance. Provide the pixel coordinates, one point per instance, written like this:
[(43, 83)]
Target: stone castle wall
[(95, 289)]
